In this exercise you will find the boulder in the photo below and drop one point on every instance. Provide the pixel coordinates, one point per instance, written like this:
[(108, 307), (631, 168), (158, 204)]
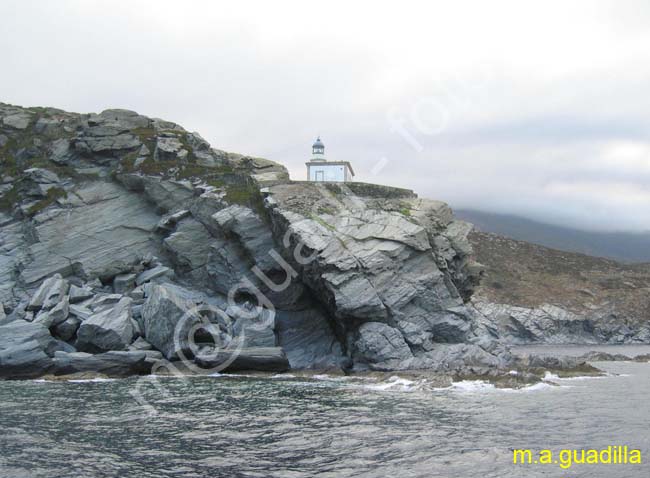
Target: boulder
[(164, 307), (49, 294), (169, 149), (265, 359), (123, 283), (41, 176), (61, 152), (168, 222), (140, 344), (24, 361), (152, 274), (110, 329), (79, 294), (79, 311), (26, 349), (18, 120), (112, 364), (55, 316), (67, 329), (103, 301), (463, 359)]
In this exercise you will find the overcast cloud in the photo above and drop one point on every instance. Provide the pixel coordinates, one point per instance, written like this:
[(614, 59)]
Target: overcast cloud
[(535, 108)]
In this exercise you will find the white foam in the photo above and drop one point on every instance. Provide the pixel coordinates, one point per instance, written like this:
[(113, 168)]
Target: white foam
[(481, 386), (399, 384), (226, 375), (92, 380), (471, 386), (281, 376), (536, 387), (550, 376), (342, 378)]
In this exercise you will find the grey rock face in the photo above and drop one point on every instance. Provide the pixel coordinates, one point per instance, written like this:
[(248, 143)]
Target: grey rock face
[(105, 231), (369, 263), (253, 234), (102, 141), (257, 332), (383, 347), (554, 325), (308, 340), (189, 244), (386, 287), (168, 195), (110, 329)]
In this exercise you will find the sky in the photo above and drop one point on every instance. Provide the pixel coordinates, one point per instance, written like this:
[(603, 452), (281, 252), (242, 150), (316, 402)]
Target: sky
[(540, 109)]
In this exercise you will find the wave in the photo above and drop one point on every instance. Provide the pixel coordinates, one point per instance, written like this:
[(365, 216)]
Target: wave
[(551, 377)]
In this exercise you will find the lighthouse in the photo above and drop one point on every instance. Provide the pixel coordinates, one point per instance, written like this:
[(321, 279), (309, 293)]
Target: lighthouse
[(320, 169)]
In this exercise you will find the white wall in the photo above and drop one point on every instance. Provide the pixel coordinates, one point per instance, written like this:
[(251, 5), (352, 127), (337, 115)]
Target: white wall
[(330, 172)]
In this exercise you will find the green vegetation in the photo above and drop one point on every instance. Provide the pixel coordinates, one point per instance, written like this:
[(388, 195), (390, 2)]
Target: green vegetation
[(194, 170), (146, 135), (326, 210), (9, 199), (247, 194), (323, 223)]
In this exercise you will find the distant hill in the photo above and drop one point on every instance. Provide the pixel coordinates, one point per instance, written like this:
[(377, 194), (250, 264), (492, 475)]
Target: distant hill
[(622, 246)]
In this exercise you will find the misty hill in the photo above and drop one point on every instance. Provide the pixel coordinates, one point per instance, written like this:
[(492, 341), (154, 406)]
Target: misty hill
[(629, 247)]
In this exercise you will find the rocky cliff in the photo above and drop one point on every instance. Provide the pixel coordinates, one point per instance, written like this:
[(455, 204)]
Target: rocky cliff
[(128, 243), (533, 294)]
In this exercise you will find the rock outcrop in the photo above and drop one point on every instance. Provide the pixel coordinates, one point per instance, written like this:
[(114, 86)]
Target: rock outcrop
[(533, 294), (126, 240)]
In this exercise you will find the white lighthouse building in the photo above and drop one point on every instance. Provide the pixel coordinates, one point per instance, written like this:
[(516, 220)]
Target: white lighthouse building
[(321, 170)]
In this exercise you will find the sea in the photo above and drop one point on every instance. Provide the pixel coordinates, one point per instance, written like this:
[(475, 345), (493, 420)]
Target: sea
[(296, 425)]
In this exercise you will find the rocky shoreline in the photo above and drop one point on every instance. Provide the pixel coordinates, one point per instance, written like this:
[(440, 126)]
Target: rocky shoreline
[(128, 244)]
